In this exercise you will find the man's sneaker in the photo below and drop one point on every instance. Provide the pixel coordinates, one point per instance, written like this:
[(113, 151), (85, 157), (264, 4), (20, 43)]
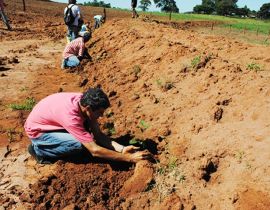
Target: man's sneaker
[(39, 159)]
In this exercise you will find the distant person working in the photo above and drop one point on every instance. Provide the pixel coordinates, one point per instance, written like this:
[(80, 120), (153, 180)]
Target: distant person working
[(73, 19), (133, 6), (75, 51), (99, 20), (3, 15)]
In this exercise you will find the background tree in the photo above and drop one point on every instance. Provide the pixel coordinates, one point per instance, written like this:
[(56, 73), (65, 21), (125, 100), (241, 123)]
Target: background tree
[(264, 11), (207, 7), (226, 7), (245, 11), (96, 3), (167, 5), (144, 4)]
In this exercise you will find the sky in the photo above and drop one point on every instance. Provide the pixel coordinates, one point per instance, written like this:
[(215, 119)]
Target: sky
[(183, 5)]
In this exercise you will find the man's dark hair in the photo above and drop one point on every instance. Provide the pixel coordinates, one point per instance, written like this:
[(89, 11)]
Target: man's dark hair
[(71, 1), (95, 98)]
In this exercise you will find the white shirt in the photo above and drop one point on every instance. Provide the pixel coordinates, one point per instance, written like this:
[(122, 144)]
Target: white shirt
[(98, 17), (76, 13)]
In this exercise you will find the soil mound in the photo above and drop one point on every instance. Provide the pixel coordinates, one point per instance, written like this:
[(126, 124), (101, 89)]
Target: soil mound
[(83, 186)]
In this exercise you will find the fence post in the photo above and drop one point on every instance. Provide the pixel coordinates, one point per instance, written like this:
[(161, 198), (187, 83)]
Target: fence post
[(104, 14), (24, 6), (212, 26), (230, 27), (170, 16)]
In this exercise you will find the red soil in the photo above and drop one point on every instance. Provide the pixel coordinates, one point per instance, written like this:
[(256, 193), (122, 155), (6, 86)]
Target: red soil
[(208, 120)]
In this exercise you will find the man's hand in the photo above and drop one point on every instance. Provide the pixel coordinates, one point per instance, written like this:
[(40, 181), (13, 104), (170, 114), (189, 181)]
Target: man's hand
[(130, 149), (141, 155), (129, 153)]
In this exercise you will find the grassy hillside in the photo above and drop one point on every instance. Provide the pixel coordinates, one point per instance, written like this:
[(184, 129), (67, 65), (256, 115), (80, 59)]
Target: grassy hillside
[(236, 23)]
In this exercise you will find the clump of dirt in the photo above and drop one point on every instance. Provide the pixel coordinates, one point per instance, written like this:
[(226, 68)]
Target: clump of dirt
[(218, 114), (86, 183), (87, 186), (3, 60)]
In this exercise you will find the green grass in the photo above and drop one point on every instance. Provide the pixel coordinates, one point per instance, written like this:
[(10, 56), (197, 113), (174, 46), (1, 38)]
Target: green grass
[(28, 104), (136, 70), (195, 61), (254, 67), (143, 125), (235, 23)]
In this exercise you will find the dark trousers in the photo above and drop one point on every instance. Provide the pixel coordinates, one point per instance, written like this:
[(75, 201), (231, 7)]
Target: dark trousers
[(5, 19)]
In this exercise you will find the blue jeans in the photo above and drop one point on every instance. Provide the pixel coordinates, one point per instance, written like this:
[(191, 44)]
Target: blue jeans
[(71, 61), (5, 19), (72, 32), (97, 23), (56, 145)]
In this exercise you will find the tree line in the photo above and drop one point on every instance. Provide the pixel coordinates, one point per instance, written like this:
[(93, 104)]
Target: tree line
[(96, 3), (218, 7), (230, 8), (164, 5)]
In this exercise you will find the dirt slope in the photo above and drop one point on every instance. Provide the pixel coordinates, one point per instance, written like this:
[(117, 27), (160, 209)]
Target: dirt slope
[(202, 100), (213, 115)]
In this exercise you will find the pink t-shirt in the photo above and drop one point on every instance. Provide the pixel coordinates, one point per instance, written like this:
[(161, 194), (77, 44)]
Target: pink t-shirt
[(57, 112)]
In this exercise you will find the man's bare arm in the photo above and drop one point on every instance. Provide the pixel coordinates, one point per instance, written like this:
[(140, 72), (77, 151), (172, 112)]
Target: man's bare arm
[(104, 140), (101, 152)]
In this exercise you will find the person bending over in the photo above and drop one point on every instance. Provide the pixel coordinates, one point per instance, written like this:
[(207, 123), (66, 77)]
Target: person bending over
[(76, 21), (99, 20), (56, 127), (75, 51)]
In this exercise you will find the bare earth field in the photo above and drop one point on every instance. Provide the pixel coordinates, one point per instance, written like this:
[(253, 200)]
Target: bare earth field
[(201, 103)]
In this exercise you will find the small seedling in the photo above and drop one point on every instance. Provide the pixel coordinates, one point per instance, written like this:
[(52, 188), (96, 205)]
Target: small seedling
[(23, 89), (112, 131), (172, 164), (159, 83), (239, 155), (136, 70), (11, 134), (167, 177), (137, 143), (110, 127), (168, 85), (165, 85), (143, 125), (161, 170), (248, 165), (28, 104), (254, 66), (195, 61), (182, 178)]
